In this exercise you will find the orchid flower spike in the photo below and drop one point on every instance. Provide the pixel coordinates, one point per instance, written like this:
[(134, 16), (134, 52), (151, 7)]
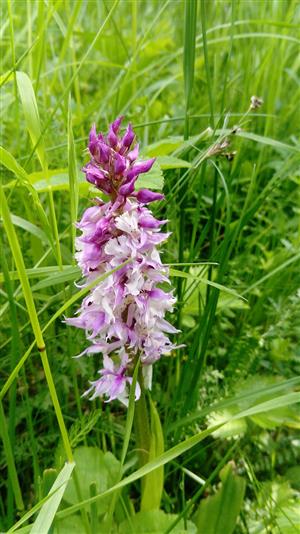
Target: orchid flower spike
[(124, 315)]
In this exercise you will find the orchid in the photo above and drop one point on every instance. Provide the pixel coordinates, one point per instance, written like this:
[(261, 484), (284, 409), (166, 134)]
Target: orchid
[(124, 315)]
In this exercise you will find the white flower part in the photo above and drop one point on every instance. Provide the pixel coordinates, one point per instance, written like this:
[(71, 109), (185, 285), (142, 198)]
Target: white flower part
[(108, 363), (125, 313), (79, 245), (167, 327), (154, 255), (120, 248), (147, 375), (135, 282), (104, 299), (128, 222)]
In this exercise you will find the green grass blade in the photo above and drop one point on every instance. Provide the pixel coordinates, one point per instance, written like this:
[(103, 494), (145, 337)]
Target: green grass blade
[(206, 61), (29, 227), (73, 177), (12, 472), (34, 509), (274, 391), (190, 21), (47, 513), (220, 287), (40, 272), (19, 261), (15, 351), (31, 114), (8, 161)]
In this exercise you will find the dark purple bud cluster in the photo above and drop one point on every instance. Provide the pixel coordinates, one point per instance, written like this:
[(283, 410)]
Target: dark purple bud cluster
[(113, 168)]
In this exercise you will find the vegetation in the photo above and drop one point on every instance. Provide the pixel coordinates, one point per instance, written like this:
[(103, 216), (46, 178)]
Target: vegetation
[(223, 409)]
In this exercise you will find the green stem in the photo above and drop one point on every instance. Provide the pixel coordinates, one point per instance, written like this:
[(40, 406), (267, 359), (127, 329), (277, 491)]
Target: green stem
[(141, 424), (128, 430), (54, 227), (190, 22), (12, 472), (206, 62), (15, 350), (19, 261), (83, 512)]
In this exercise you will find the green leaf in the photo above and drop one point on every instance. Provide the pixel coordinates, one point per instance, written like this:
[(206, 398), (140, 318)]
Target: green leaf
[(161, 460), (92, 465), (73, 524), (164, 147), (230, 428), (183, 274), (262, 139), (31, 114), (7, 159), (151, 180), (46, 514), (265, 388), (278, 499), (171, 162), (154, 522), (58, 181), (151, 499), (29, 227), (39, 272), (218, 514), (273, 411), (59, 277), (293, 475)]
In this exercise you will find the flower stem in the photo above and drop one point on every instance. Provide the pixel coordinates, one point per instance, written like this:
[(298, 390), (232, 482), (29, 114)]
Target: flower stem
[(141, 424)]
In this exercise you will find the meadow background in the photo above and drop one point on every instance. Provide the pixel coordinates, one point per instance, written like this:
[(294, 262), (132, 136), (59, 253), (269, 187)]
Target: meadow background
[(224, 406)]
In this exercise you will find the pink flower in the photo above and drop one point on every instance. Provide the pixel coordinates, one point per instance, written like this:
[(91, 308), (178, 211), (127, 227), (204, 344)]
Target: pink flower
[(124, 315), (113, 382)]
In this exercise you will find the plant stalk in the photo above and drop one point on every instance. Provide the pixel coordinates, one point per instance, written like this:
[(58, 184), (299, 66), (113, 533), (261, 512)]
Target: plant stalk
[(142, 424), (19, 262)]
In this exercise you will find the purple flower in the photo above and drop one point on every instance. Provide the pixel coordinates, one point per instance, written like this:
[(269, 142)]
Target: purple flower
[(145, 196), (113, 168), (113, 382), (140, 168), (124, 315), (128, 138)]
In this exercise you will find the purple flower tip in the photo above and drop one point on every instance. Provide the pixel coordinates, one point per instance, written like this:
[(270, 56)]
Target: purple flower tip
[(145, 196), (139, 168), (114, 167), (128, 137), (133, 154), (120, 164), (116, 124)]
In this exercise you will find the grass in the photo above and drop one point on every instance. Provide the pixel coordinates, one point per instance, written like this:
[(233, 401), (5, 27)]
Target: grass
[(225, 404)]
